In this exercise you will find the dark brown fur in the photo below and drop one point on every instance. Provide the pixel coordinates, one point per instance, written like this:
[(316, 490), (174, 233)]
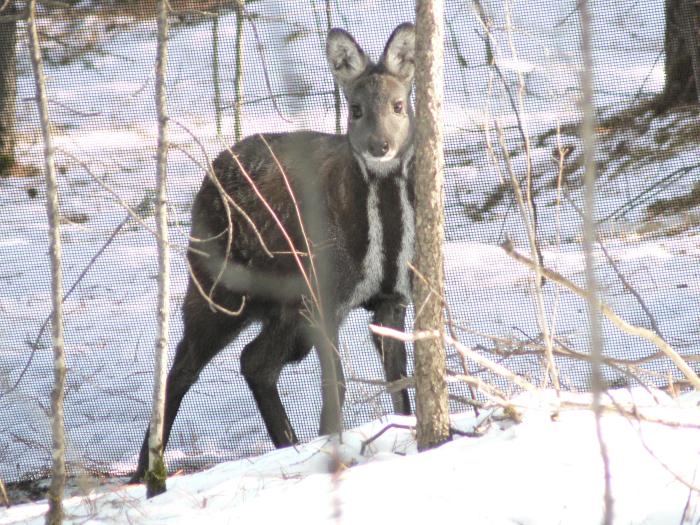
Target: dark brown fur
[(232, 269)]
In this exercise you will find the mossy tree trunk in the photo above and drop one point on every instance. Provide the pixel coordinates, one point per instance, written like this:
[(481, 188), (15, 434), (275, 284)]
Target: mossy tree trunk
[(8, 86), (156, 474), (682, 50)]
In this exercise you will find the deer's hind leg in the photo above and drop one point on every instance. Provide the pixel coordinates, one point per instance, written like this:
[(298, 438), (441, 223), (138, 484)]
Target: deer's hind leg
[(281, 340), (205, 333)]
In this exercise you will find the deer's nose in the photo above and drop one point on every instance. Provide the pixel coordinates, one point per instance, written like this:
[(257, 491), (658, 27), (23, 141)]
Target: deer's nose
[(379, 148)]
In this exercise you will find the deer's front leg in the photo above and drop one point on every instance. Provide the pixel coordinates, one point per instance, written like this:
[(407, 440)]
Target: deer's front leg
[(390, 311)]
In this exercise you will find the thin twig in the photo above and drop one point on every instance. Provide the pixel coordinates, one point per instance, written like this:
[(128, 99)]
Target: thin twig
[(83, 273), (266, 76), (300, 219), (209, 170), (66, 107), (370, 440), (391, 387), (4, 498), (618, 272), (635, 415), (474, 356), (134, 214), (629, 287), (528, 220), (278, 223), (636, 331)]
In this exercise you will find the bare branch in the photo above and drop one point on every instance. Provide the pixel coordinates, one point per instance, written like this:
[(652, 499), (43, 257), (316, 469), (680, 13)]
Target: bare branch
[(133, 213), (529, 222), (67, 108), (636, 331), (83, 273), (469, 353), (620, 275), (298, 214), (278, 223), (209, 170), (266, 76)]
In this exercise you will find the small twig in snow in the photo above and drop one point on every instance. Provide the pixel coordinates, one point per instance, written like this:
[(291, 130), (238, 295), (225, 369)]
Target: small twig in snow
[(4, 499), (369, 441)]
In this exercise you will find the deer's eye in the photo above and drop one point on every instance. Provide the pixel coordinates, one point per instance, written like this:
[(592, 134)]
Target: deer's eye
[(356, 111), (398, 107)]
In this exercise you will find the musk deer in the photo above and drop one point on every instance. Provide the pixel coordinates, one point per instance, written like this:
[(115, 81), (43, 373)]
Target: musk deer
[(276, 203)]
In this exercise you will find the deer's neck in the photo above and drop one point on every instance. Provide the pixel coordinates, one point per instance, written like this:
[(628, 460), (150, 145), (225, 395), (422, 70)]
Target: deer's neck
[(389, 237), (373, 169)]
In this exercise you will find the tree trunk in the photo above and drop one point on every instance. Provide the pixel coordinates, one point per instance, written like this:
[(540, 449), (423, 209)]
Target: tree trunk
[(682, 49), (58, 443), (588, 137), (156, 475), (336, 87), (8, 89), (432, 414), (239, 9), (216, 76)]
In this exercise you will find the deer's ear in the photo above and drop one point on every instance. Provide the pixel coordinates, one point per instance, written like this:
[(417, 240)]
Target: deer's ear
[(345, 57), (398, 56)]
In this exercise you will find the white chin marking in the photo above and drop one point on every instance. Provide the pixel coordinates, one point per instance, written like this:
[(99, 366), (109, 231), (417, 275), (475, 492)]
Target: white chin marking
[(381, 166)]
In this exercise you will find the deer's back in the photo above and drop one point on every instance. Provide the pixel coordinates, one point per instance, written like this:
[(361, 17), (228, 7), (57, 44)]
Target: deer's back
[(303, 173)]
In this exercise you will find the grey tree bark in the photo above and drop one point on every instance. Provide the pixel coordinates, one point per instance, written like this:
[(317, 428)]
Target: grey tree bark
[(433, 427), (682, 50), (156, 474), (54, 515), (8, 87)]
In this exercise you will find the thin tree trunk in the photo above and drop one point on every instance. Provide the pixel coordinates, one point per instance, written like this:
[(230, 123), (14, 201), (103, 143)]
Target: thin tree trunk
[(8, 88), (156, 474), (588, 138), (58, 442), (239, 9), (336, 88), (431, 390), (216, 80), (691, 33), (682, 50)]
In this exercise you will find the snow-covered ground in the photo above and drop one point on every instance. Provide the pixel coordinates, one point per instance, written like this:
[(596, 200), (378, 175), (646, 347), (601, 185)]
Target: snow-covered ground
[(110, 321), (542, 470)]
